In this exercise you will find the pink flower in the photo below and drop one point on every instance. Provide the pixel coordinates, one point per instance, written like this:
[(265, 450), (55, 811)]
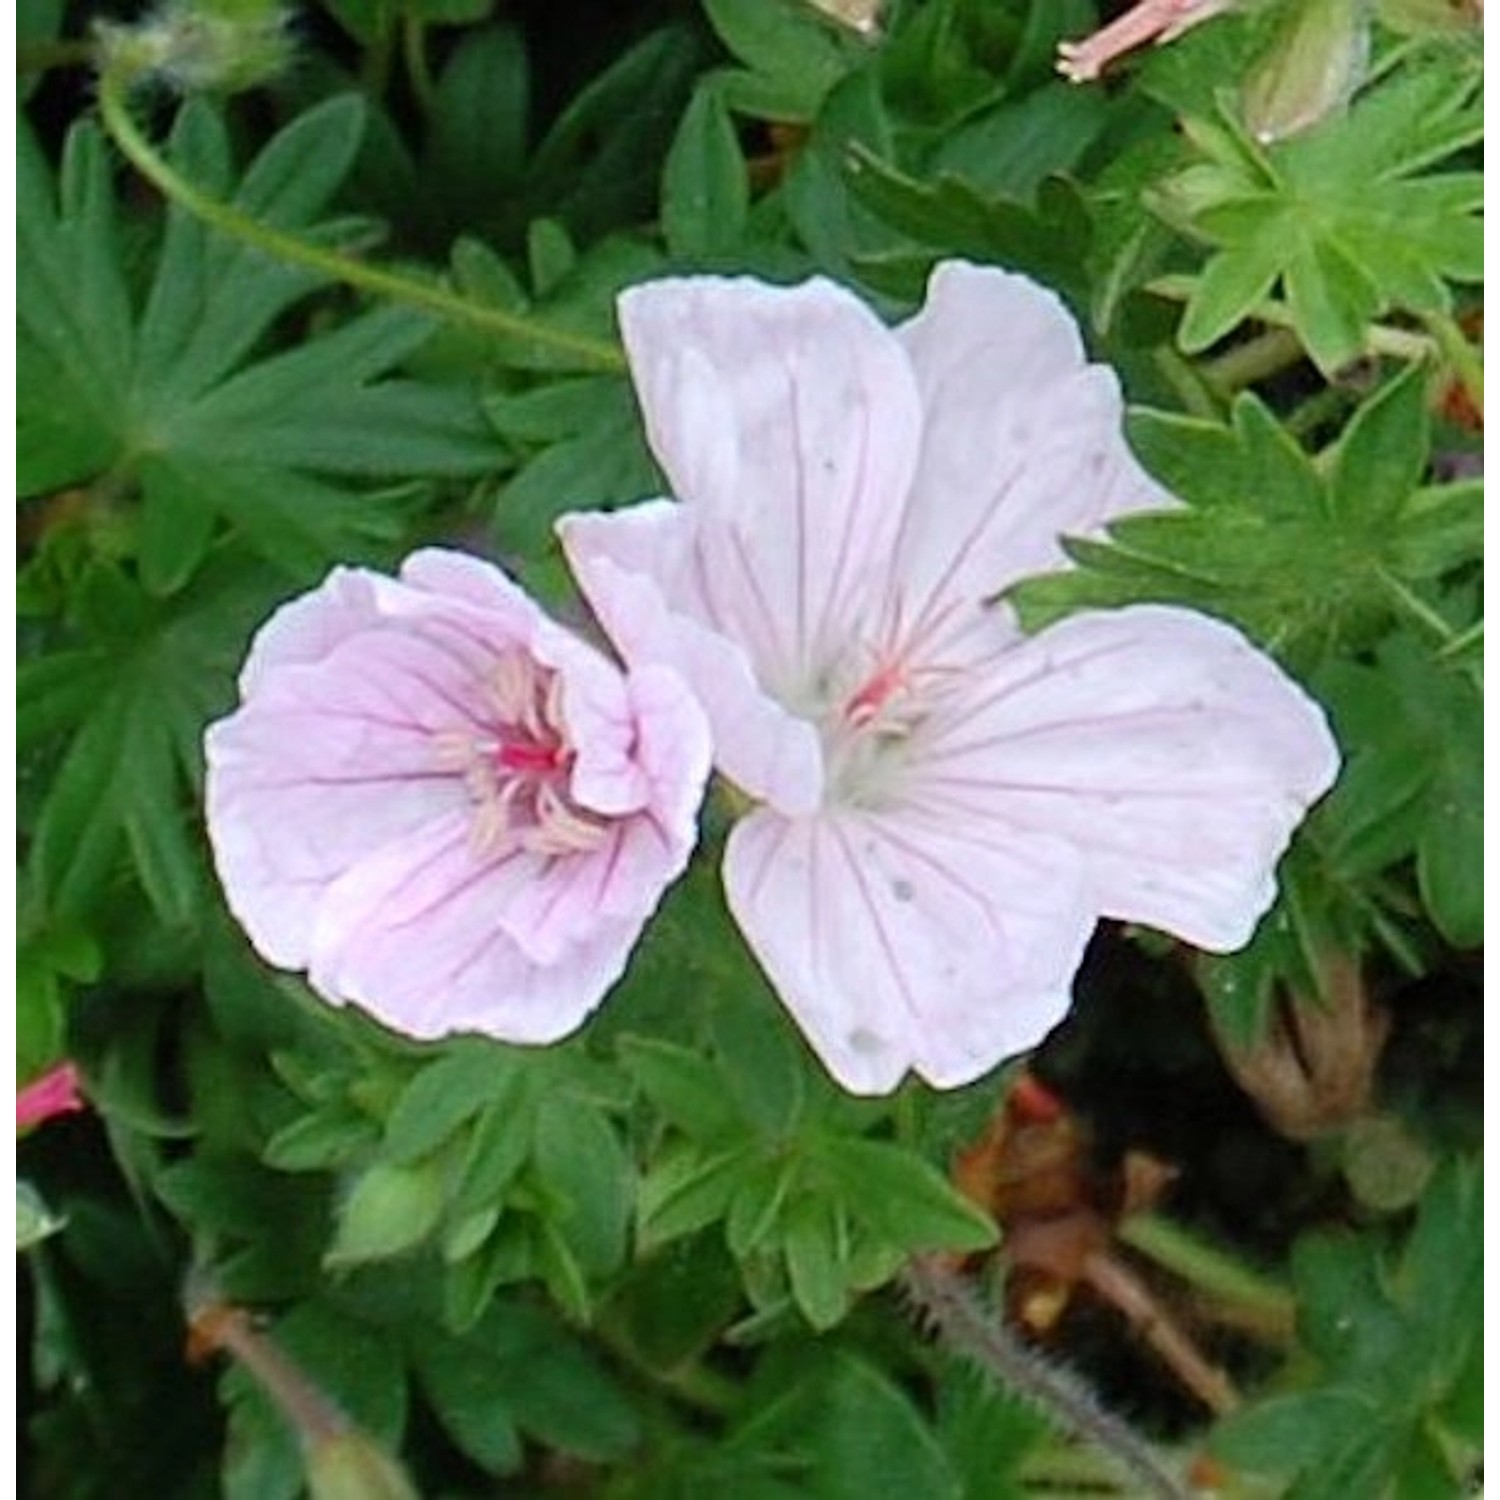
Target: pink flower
[(55, 1093), (445, 807), (948, 805)]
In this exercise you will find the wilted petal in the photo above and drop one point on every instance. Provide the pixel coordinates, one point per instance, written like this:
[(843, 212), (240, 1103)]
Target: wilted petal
[(898, 942), (1021, 439), (789, 419), (1171, 753), (643, 574)]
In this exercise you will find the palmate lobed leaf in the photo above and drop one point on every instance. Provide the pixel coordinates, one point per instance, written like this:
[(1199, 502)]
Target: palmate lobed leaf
[(1338, 215), (1393, 1335), (166, 397), (1302, 559), (131, 699)]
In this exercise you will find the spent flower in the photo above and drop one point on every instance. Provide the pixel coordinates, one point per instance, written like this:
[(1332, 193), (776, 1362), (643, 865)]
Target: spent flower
[(948, 806), (444, 806)]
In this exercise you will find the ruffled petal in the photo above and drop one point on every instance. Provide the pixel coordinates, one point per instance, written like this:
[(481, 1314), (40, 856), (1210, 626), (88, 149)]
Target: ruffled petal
[(424, 936), (1022, 440), (307, 628), (788, 418), (641, 572), (898, 943), (1174, 756), (327, 763)]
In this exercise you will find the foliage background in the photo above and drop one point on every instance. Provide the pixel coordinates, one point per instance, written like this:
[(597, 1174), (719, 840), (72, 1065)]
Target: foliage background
[(658, 1259)]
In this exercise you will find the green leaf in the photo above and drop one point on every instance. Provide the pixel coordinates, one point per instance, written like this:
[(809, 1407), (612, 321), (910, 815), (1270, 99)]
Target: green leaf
[(391, 1209), (443, 1095), (812, 1241), (580, 1159), (469, 1390), (169, 401), (859, 1434), (793, 57), (557, 1393), (705, 192), (683, 1191), (1302, 561), (903, 1198), (121, 784), (684, 1088), (1337, 214)]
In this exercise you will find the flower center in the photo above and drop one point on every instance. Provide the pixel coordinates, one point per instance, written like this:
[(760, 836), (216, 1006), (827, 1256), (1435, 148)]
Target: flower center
[(516, 767)]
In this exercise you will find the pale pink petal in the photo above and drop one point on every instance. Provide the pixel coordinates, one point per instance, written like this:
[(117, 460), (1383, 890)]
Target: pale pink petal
[(900, 943), (1172, 754), (640, 570), (788, 417), (424, 935), (305, 629), (1022, 440), (446, 577)]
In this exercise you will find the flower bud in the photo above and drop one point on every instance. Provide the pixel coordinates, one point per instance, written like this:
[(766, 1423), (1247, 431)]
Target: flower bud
[(1317, 60), (221, 46), (351, 1465)]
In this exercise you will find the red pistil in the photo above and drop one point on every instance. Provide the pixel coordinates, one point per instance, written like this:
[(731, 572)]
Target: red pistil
[(532, 758), (867, 703)]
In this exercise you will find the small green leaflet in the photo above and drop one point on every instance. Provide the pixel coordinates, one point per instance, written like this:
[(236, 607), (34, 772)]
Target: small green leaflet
[(172, 395), (1347, 218)]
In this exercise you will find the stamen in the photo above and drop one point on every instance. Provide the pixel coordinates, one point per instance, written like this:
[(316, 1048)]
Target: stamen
[(561, 829), (453, 750), (511, 687)]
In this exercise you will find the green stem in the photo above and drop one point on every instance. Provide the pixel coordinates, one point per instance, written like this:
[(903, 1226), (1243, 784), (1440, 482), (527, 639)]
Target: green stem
[(970, 1330), (1417, 609), (1256, 359), (1212, 1271), (1467, 639), (1188, 383), (1380, 338), (41, 57), (418, 68), (1460, 354), (114, 86)]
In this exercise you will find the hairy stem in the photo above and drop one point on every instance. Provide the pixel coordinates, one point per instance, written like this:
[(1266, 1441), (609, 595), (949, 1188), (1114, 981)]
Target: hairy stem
[(969, 1329), (114, 87)]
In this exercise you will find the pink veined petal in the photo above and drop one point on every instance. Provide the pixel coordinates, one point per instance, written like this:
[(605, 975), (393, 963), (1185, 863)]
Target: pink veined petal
[(328, 763), (1022, 440), (636, 568), (1174, 756), (307, 628), (414, 935), (897, 943), (788, 418), (446, 576)]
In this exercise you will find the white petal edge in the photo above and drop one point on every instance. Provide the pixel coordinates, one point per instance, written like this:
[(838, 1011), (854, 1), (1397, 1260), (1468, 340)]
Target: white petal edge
[(1171, 753), (898, 945), (634, 567)]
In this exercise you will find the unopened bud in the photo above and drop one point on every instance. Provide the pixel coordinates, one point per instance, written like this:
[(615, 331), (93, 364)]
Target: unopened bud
[(351, 1465), (1313, 1071), (221, 47), (1318, 58)]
